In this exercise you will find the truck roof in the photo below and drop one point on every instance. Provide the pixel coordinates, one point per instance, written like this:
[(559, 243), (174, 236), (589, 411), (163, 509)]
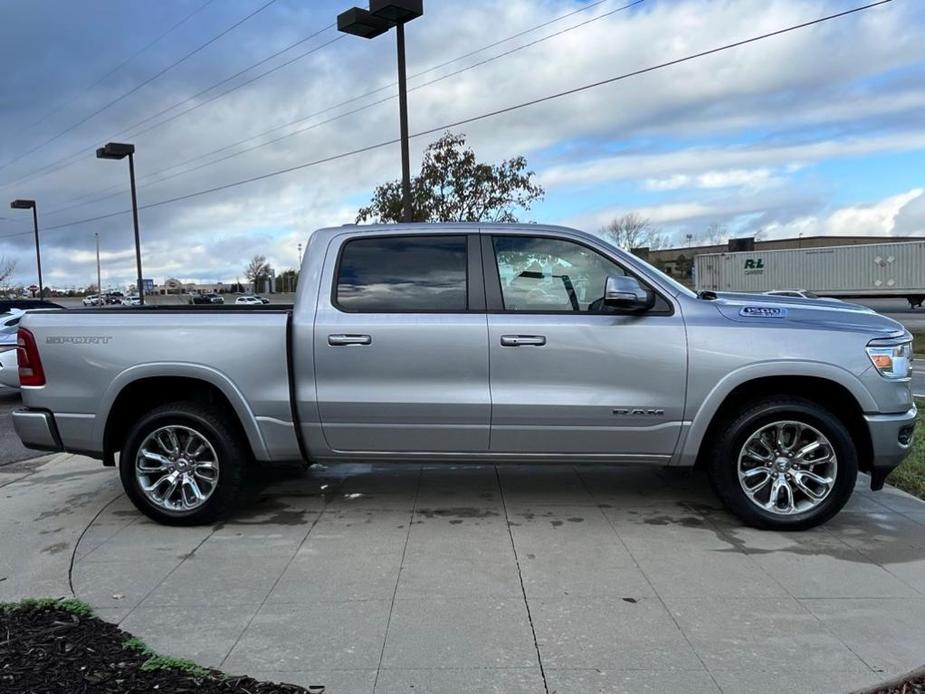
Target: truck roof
[(452, 228)]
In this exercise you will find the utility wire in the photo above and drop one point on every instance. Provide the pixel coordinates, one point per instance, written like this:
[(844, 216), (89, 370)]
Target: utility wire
[(78, 155), (351, 112), (121, 65), (134, 89), (473, 119), (68, 160)]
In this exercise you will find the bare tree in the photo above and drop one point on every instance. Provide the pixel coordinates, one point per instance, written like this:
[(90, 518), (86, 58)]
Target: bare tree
[(631, 231), (257, 269), (7, 268)]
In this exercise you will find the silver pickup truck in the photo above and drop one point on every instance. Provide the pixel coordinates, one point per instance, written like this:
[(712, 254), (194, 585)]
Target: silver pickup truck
[(480, 343)]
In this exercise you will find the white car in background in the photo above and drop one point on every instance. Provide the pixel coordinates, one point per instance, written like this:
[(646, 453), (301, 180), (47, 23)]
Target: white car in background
[(9, 325), (92, 300), (132, 300), (9, 367), (248, 301)]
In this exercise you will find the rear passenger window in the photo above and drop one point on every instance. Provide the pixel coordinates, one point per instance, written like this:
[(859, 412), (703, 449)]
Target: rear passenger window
[(403, 274)]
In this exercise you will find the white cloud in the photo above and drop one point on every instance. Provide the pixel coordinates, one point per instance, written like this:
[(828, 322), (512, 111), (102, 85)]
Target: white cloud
[(868, 219), (814, 95), (729, 178)]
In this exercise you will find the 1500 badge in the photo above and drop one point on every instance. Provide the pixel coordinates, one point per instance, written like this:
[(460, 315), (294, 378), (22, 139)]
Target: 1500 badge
[(763, 312)]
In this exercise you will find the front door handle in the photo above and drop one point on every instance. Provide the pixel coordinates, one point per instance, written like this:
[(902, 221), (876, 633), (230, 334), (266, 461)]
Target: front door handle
[(347, 340), (522, 340)]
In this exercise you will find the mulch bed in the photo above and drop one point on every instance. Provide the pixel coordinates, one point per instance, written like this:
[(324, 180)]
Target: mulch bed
[(914, 685), (48, 648)]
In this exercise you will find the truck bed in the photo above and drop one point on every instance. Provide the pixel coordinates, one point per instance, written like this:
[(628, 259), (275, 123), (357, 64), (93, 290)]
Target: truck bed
[(92, 354)]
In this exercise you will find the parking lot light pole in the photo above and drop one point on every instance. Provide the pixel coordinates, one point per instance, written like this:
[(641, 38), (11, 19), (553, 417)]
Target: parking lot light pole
[(26, 205), (368, 24), (118, 150), (99, 274)]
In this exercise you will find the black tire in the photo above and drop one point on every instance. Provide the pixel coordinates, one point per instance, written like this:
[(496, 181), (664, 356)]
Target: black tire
[(209, 422), (722, 463)]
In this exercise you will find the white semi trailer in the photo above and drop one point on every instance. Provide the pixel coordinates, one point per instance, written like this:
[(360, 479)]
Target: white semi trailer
[(857, 271)]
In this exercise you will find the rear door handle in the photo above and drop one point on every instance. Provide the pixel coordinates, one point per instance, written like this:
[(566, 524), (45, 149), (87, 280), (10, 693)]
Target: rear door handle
[(347, 340), (522, 340)]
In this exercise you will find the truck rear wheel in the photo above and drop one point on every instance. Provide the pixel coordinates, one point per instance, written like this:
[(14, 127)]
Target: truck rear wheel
[(183, 464), (785, 463)]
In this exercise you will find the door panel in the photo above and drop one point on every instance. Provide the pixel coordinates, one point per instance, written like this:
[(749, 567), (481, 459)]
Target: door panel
[(561, 397), (403, 381), (584, 380)]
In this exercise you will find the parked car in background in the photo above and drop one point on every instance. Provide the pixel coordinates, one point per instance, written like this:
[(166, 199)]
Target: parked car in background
[(9, 325), (92, 300), (9, 367), (263, 299), (132, 300), (206, 299), (113, 298), (478, 343), (248, 301), (796, 293)]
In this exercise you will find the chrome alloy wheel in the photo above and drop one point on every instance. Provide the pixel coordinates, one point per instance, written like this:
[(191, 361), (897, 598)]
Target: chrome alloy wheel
[(176, 468), (787, 467)]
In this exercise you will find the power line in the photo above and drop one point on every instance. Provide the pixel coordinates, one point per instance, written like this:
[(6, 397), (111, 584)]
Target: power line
[(347, 113), (68, 160), (480, 117), (238, 74), (134, 89), (150, 44)]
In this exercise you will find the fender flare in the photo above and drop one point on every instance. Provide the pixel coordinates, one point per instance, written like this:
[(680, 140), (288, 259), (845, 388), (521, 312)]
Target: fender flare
[(702, 419), (198, 372)]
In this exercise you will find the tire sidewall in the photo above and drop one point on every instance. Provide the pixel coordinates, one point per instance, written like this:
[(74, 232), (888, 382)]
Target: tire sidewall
[(724, 469), (229, 460)]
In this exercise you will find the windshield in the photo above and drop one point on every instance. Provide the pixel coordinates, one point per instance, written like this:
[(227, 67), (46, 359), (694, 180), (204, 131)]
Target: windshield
[(668, 279)]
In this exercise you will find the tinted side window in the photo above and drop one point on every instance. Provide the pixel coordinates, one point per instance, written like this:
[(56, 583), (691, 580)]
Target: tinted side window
[(403, 273), (540, 274)]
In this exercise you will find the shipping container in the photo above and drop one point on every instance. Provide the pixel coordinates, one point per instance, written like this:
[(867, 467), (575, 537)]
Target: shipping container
[(868, 270)]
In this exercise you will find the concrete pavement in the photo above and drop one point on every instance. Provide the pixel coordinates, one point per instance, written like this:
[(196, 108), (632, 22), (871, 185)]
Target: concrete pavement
[(530, 579)]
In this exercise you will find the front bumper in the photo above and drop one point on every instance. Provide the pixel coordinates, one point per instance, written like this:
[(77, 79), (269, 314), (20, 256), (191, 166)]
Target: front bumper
[(891, 441), (37, 430)]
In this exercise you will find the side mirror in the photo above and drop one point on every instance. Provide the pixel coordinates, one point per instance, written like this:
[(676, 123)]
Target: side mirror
[(625, 293)]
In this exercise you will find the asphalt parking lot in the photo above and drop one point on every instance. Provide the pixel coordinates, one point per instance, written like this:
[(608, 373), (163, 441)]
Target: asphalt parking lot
[(511, 579), (11, 449)]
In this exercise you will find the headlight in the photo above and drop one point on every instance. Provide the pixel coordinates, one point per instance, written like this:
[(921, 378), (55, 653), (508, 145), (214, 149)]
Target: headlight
[(893, 361)]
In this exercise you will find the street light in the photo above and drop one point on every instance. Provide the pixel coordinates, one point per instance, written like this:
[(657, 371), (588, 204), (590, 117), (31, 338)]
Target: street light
[(99, 273), (368, 24), (118, 150), (30, 205)]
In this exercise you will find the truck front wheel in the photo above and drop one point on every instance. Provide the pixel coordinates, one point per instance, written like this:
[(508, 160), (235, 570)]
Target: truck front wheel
[(183, 464), (785, 463)]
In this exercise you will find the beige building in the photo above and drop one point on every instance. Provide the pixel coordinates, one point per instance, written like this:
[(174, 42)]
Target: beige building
[(175, 286)]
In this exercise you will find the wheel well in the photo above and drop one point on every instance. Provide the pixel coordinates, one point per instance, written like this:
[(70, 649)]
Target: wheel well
[(145, 394), (829, 394)]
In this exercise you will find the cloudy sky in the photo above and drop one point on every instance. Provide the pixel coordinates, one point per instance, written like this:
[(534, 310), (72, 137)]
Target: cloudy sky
[(818, 131)]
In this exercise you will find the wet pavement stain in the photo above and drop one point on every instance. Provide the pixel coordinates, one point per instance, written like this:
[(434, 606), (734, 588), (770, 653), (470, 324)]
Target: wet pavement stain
[(270, 510), (632, 601), (683, 521), (56, 548), (556, 523), (575, 520), (458, 512), (69, 505)]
